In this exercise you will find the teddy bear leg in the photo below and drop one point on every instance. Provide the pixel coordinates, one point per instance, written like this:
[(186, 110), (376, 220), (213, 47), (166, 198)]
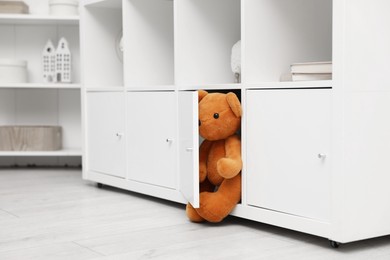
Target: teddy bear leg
[(192, 214), (215, 206)]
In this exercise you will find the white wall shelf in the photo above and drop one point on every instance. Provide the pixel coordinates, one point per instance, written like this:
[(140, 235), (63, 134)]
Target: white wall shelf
[(41, 86), (35, 19), (63, 152)]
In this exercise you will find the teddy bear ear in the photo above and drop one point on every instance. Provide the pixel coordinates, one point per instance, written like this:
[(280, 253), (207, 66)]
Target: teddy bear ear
[(202, 94), (234, 103)]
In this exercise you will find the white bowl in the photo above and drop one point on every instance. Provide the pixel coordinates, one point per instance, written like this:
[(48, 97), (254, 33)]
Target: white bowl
[(64, 7), (13, 71)]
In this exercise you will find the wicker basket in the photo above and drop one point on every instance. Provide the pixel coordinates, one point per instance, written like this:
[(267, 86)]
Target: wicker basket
[(30, 138)]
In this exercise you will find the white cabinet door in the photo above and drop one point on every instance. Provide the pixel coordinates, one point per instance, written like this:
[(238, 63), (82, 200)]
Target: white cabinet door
[(189, 146), (151, 142), (105, 133), (288, 145)]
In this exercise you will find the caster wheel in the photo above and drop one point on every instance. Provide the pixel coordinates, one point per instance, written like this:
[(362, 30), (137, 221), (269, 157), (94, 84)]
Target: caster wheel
[(99, 185), (334, 244)]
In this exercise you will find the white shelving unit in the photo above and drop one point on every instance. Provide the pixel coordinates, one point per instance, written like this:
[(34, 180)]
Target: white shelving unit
[(315, 152), (23, 36)]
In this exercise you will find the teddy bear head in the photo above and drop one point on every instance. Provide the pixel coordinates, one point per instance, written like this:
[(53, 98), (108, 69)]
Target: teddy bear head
[(219, 115)]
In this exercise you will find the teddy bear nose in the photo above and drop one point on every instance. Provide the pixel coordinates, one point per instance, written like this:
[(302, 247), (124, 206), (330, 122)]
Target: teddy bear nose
[(199, 123)]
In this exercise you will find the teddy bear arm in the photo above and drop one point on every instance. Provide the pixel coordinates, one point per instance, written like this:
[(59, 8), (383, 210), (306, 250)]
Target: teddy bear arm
[(231, 164), (204, 150)]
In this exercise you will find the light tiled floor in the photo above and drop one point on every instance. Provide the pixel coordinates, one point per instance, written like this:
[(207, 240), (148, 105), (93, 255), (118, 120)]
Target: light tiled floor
[(54, 214)]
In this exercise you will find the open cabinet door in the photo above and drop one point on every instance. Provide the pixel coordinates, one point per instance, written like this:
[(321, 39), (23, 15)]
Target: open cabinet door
[(189, 146)]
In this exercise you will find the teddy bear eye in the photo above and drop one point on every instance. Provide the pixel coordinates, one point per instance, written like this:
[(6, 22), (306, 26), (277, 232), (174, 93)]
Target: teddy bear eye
[(216, 115)]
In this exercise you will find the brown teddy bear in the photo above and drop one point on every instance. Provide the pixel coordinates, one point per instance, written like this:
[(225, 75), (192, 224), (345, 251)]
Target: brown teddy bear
[(220, 161)]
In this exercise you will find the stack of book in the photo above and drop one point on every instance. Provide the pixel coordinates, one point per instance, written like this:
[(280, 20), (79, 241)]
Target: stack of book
[(311, 71), (13, 7)]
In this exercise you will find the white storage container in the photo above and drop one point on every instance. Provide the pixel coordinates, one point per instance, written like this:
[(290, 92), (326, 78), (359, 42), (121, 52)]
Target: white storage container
[(64, 7), (13, 71)]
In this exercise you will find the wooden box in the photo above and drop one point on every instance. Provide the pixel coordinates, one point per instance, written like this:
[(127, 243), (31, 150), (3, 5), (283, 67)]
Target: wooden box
[(30, 138), (13, 7)]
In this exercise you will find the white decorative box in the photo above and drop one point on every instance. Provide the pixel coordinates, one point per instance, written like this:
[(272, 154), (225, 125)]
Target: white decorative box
[(13, 71), (30, 138), (13, 7), (64, 7)]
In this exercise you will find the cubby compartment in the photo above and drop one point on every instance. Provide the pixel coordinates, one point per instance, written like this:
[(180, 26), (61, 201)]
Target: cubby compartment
[(44, 107), (281, 32), (23, 41), (190, 141), (49, 107), (148, 43), (102, 55), (205, 32)]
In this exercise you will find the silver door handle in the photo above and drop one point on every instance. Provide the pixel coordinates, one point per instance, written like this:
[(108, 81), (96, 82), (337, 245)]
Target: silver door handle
[(119, 135), (169, 140), (189, 149)]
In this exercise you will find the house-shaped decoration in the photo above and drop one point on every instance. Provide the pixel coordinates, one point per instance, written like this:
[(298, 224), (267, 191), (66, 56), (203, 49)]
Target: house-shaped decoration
[(49, 62), (63, 62)]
